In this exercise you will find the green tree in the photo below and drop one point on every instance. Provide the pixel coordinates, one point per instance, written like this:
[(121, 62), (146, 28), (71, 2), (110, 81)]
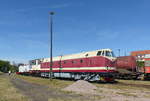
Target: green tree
[(5, 66), (140, 64)]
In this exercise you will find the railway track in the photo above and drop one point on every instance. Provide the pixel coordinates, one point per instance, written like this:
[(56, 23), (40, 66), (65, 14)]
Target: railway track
[(134, 85)]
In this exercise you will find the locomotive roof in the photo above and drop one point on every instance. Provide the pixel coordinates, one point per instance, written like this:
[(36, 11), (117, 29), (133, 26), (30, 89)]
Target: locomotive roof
[(75, 56)]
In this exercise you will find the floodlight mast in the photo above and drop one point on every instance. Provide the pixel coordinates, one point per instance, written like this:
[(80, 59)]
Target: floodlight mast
[(51, 44)]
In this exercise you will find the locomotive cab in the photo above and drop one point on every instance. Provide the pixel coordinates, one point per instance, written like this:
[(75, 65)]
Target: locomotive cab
[(107, 53)]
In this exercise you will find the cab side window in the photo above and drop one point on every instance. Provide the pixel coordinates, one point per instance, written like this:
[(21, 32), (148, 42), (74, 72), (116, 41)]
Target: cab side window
[(99, 53), (103, 53)]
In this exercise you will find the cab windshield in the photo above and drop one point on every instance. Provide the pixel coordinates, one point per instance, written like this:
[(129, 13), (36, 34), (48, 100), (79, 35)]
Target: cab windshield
[(105, 53), (109, 54)]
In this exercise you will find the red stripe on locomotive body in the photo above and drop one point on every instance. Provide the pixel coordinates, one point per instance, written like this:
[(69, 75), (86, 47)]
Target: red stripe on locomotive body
[(96, 61), (104, 71)]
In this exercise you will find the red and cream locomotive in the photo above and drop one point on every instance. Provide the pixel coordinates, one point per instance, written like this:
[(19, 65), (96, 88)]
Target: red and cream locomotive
[(91, 66)]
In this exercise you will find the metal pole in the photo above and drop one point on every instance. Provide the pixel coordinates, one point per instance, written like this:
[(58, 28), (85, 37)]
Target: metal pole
[(119, 52), (51, 43)]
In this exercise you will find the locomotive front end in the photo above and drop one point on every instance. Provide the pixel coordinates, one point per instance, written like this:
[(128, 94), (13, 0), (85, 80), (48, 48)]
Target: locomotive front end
[(109, 68)]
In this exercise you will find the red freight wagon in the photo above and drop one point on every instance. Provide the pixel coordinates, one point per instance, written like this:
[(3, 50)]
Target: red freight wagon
[(126, 62), (127, 67)]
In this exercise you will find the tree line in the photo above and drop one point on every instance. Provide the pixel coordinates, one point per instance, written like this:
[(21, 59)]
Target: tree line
[(5, 66)]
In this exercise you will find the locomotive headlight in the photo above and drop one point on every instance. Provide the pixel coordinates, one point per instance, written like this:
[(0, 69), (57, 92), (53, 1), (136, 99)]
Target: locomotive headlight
[(112, 58)]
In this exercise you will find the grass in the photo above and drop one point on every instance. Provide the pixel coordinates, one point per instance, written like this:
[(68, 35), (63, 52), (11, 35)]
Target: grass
[(89, 98), (1, 73), (65, 99), (129, 85), (135, 82), (64, 83), (8, 92), (115, 88), (56, 83), (126, 94), (147, 96)]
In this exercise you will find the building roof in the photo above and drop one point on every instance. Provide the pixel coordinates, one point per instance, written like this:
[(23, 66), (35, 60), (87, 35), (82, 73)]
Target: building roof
[(136, 53)]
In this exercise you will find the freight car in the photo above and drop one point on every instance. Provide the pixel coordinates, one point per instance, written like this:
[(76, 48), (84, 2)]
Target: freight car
[(91, 66), (127, 67)]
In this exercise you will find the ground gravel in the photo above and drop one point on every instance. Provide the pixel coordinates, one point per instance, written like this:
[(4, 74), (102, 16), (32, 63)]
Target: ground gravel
[(81, 86)]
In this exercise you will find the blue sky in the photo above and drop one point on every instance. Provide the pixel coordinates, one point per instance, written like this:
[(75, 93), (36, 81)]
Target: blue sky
[(79, 25)]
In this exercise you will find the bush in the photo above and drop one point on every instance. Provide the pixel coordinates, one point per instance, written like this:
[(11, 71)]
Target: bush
[(5, 66)]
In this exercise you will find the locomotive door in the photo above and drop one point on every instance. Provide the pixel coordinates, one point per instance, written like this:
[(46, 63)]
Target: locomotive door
[(60, 64), (87, 62)]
